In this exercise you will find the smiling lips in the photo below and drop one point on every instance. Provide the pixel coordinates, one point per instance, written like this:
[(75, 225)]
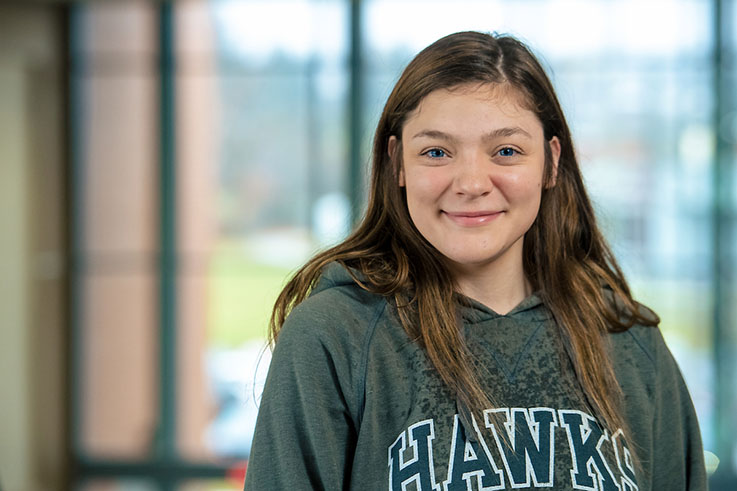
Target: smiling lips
[(471, 218)]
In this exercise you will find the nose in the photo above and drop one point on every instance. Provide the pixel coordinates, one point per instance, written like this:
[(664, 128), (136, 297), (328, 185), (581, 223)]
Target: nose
[(474, 176)]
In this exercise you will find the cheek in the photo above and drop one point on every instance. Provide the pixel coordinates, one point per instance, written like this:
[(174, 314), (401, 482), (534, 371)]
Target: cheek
[(519, 186), (424, 185)]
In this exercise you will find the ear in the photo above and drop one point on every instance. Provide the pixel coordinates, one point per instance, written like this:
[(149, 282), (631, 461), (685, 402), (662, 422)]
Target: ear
[(391, 150), (555, 156)]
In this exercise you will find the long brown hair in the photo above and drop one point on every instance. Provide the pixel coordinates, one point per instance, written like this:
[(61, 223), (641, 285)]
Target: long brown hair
[(565, 257)]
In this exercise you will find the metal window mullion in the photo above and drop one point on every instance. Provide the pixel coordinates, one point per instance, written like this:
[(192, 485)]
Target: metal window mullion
[(76, 184), (355, 181), (724, 340), (166, 444)]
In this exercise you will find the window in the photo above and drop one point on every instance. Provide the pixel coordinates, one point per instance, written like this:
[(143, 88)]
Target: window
[(216, 146)]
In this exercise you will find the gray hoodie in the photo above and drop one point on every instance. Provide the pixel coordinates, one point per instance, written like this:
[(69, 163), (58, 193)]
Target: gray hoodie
[(351, 402)]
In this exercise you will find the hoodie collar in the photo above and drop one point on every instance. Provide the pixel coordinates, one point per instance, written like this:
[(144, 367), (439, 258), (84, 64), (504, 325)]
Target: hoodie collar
[(531, 308), (472, 311)]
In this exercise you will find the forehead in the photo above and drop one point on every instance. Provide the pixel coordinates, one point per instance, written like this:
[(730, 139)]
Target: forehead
[(473, 107)]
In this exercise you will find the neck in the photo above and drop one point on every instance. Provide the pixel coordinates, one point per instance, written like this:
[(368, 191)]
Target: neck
[(500, 285)]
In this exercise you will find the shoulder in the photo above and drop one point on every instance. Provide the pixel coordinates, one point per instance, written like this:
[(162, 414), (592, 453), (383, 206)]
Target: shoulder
[(641, 357), (641, 341), (658, 407), (644, 340), (323, 343), (634, 353), (338, 304), (337, 316)]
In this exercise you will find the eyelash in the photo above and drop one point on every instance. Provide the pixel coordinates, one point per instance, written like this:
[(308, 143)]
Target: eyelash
[(444, 153), (430, 151), (515, 152)]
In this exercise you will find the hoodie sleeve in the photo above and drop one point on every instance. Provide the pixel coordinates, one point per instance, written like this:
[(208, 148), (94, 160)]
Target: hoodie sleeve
[(678, 454), (305, 433)]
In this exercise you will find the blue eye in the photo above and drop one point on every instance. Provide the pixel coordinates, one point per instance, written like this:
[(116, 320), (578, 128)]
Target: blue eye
[(507, 152), (435, 153)]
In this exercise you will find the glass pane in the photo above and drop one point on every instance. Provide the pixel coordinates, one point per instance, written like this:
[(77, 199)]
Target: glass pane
[(120, 379), (118, 485), (655, 29), (232, 483), (261, 153), (119, 89)]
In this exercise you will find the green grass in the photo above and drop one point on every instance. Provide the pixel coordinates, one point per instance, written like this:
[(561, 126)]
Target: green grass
[(241, 294), (683, 307)]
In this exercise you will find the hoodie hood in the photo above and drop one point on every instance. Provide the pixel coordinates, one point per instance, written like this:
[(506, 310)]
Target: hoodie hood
[(472, 311)]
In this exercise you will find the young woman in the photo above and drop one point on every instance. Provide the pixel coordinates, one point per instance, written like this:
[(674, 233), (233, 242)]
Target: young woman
[(475, 331)]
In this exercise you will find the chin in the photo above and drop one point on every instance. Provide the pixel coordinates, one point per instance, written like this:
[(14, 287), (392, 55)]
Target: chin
[(471, 260)]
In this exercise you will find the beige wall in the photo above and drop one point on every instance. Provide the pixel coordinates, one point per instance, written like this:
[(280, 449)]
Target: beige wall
[(33, 330), (120, 316), (32, 407)]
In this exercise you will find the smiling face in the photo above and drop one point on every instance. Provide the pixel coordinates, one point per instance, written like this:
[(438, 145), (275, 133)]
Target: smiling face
[(473, 161)]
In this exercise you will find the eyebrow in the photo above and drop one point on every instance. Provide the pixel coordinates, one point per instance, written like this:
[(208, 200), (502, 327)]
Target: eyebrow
[(508, 131), (499, 132)]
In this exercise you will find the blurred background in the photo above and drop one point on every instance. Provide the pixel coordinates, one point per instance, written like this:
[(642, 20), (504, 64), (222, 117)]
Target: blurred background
[(164, 166)]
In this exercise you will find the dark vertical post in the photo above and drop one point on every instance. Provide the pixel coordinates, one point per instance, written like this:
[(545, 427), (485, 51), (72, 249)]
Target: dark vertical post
[(355, 181), (166, 434), (75, 192), (722, 268)]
